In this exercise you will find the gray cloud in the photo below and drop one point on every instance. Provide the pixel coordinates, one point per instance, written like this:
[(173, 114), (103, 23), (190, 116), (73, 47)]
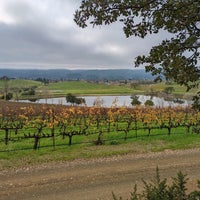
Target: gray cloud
[(42, 33)]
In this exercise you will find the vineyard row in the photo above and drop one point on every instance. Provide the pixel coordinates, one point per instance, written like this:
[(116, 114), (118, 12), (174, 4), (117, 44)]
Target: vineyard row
[(30, 121)]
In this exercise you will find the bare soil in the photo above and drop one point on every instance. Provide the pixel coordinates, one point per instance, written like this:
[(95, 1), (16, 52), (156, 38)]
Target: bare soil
[(95, 179)]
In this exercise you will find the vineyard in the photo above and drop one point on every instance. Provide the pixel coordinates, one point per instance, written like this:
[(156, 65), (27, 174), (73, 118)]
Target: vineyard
[(34, 125)]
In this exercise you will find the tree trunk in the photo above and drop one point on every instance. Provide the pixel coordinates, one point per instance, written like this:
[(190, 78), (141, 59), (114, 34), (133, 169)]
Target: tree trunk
[(125, 136), (188, 129), (36, 142), (6, 136), (99, 140), (169, 130), (136, 128), (149, 132), (53, 137), (70, 140)]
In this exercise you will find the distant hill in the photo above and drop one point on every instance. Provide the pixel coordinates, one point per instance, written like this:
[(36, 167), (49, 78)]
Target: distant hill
[(64, 74)]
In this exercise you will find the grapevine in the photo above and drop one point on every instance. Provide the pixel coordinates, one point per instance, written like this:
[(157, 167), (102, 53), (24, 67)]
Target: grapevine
[(34, 121)]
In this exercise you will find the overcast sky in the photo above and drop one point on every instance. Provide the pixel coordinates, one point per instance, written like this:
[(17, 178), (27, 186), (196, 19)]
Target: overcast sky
[(42, 34)]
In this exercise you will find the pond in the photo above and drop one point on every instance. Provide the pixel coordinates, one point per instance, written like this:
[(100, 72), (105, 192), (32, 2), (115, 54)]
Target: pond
[(108, 101)]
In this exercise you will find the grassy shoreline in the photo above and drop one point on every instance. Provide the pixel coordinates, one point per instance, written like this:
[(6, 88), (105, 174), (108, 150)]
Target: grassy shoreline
[(84, 88)]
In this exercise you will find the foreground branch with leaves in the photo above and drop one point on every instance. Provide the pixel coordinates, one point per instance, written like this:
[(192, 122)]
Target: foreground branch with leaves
[(176, 58)]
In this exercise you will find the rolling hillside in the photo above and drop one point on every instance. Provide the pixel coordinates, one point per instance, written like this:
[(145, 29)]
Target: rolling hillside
[(64, 74)]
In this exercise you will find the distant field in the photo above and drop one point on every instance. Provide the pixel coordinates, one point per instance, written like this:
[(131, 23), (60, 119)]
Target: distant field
[(20, 83), (59, 89), (85, 88), (179, 91)]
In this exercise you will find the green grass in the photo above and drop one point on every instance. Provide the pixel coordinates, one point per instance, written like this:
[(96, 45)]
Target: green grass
[(20, 83), (85, 88), (83, 147), (179, 91), (62, 88)]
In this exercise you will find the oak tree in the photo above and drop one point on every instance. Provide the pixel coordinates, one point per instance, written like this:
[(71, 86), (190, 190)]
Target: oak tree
[(176, 58)]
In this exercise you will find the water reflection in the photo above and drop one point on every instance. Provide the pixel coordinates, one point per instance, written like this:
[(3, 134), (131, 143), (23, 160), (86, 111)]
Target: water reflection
[(108, 101)]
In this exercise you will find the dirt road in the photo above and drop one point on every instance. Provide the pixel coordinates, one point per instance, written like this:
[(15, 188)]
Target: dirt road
[(96, 179)]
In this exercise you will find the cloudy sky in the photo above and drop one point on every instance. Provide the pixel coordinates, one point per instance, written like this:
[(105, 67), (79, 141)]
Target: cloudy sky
[(42, 34)]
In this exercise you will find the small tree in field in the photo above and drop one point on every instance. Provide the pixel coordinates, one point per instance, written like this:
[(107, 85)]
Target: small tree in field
[(135, 101), (74, 100), (149, 103), (169, 90)]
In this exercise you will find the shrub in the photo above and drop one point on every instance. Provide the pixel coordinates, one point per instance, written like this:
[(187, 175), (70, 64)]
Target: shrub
[(9, 96), (28, 91), (74, 100), (159, 190), (149, 103), (169, 90), (135, 101)]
